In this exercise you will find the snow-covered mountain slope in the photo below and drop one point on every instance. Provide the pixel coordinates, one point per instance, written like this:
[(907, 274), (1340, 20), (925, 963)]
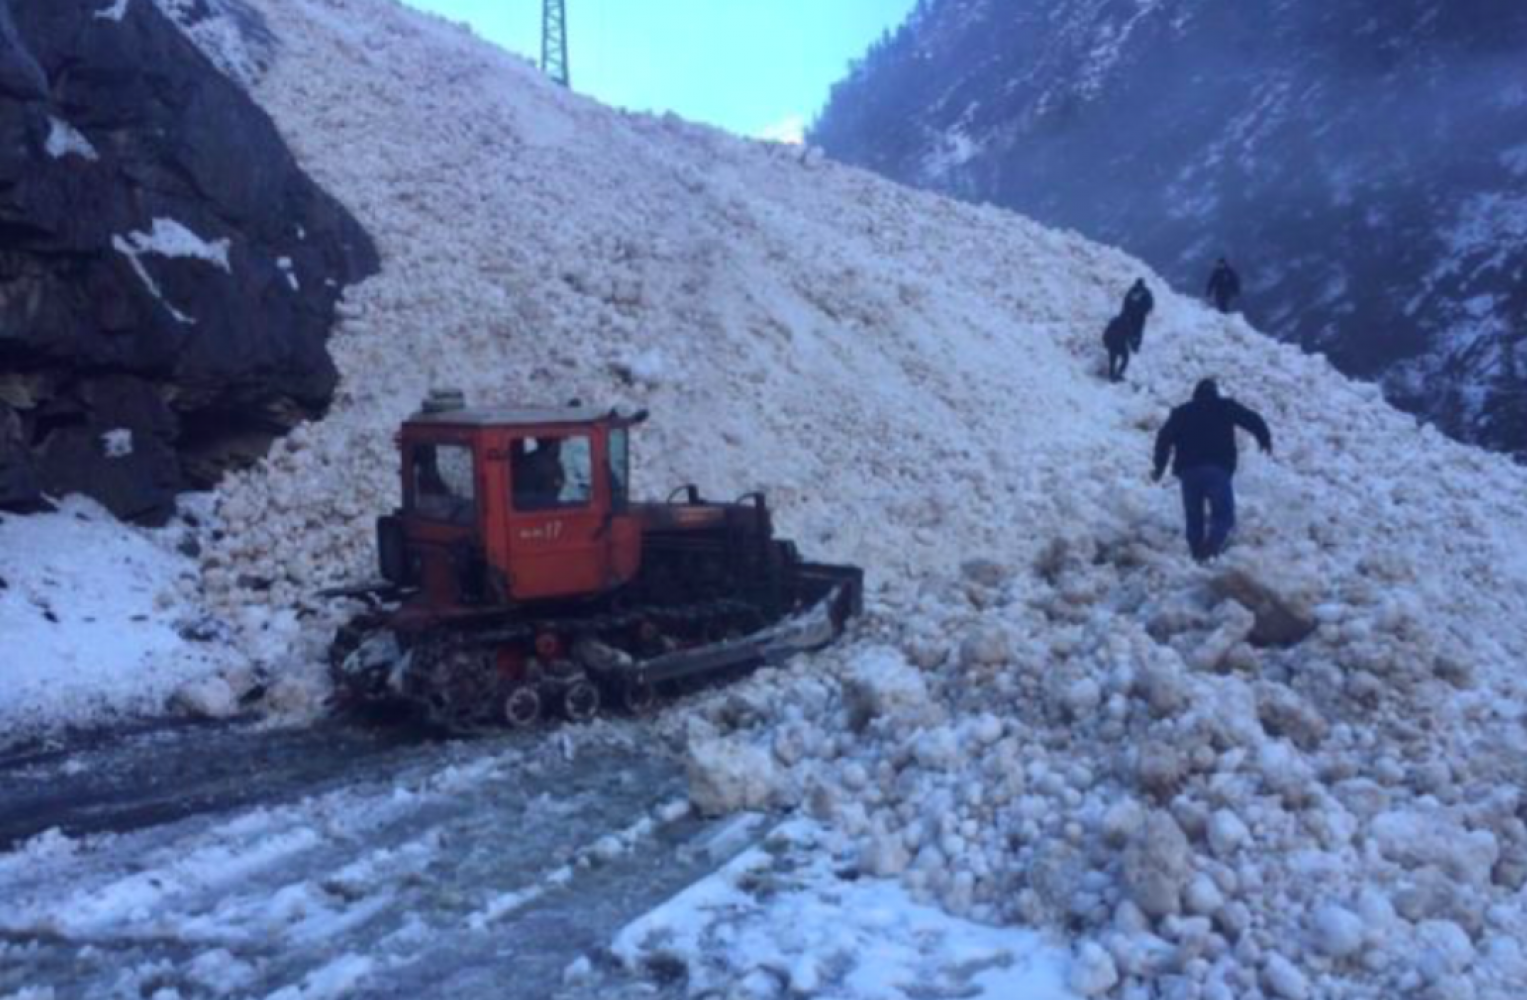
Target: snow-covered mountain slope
[(1086, 731), (914, 380), (1363, 164)]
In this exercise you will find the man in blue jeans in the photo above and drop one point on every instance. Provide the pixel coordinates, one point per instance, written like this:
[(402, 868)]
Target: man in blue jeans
[(1199, 438)]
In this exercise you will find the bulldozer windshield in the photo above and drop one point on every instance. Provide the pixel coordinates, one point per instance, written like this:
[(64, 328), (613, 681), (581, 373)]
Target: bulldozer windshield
[(552, 472), (443, 483)]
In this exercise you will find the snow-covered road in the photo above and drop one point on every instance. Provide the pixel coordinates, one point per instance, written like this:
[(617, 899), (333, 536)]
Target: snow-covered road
[(328, 862)]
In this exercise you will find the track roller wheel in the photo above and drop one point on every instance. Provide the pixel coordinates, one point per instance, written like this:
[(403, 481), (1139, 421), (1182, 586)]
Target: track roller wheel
[(522, 709), (580, 702), (637, 697)]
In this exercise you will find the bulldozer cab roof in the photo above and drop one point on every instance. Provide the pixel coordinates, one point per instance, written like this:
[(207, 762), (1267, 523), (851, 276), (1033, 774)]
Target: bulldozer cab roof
[(506, 416)]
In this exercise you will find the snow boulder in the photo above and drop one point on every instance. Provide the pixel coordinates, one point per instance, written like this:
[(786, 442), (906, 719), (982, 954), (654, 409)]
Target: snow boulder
[(1282, 618), (987, 646), (1337, 931), (207, 698), (1157, 865), (1161, 686), (985, 573), (728, 774), (881, 683), (1160, 769), (1093, 972), (1233, 625), (1429, 837), (1282, 978)]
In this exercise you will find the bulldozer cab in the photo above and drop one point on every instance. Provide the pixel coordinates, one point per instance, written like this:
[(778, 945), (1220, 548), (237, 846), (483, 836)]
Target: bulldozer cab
[(513, 505)]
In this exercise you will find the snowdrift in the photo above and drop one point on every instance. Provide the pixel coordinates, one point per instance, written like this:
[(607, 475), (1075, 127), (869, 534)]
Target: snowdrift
[(1295, 773), (102, 619)]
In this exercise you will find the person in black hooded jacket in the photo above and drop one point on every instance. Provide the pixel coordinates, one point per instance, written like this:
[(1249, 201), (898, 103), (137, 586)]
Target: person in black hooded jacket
[(1224, 286), (1199, 439)]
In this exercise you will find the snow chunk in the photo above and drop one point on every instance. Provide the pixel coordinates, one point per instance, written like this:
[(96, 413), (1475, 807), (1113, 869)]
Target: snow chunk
[(881, 683), (1283, 979), (1235, 625), (728, 774), (1281, 617), (1227, 833), (1092, 970), (987, 646), (1157, 865), (1337, 930), (1429, 837), (208, 698), (647, 368)]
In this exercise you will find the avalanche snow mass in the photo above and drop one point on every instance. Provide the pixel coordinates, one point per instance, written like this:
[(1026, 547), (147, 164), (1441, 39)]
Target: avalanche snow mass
[(1295, 773)]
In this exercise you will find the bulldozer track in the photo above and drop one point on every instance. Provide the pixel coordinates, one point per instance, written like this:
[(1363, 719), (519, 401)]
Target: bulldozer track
[(456, 676)]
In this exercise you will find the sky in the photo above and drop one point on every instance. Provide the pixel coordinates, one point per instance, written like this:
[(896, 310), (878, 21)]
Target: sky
[(754, 67)]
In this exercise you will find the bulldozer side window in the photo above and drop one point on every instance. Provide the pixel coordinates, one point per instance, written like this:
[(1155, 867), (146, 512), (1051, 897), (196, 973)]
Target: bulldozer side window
[(620, 468), (552, 472), (443, 484)]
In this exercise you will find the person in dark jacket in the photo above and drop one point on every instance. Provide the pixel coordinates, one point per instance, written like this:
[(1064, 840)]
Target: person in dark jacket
[(1138, 303), (1224, 286), (1116, 340), (1199, 438), (538, 476)]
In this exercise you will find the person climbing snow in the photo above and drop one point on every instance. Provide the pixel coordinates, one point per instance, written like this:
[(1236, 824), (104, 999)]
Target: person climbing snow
[(1138, 304), (1224, 286), (1199, 438), (1116, 340)]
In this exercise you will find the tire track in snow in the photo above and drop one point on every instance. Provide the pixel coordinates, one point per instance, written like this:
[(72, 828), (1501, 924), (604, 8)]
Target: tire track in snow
[(472, 866)]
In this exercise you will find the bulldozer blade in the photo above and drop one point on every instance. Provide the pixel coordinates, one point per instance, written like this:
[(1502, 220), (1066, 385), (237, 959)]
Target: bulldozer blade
[(810, 630)]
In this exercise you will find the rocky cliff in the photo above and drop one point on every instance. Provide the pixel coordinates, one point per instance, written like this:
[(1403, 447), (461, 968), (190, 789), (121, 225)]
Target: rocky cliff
[(1364, 164), (168, 275)]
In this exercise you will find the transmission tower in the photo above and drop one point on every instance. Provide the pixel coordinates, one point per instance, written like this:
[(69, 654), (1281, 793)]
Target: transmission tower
[(554, 41)]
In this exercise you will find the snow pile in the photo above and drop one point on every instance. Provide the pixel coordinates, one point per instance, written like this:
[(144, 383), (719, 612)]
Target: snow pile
[(1105, 745), (101, 619)]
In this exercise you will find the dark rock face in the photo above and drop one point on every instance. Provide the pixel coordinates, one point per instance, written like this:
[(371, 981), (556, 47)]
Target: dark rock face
[(1363, 164), (168, 275)]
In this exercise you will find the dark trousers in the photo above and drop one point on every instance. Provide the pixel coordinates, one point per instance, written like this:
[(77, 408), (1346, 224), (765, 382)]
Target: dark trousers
[(1208, 488), (1223, 300), (1118, 360)]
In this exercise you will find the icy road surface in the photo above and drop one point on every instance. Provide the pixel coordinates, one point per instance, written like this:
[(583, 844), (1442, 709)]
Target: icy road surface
[(202, 862)]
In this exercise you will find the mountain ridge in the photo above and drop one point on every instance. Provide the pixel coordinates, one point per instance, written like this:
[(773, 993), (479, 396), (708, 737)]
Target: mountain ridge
[(1365, 169)]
